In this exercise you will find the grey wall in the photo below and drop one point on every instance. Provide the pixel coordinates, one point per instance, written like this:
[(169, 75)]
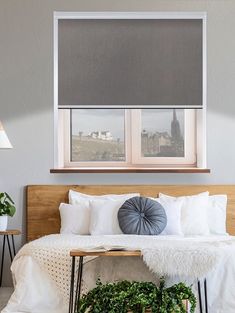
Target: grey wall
[(26, 95)]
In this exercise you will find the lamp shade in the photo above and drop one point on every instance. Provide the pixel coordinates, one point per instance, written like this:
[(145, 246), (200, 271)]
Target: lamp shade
[(4, 141)]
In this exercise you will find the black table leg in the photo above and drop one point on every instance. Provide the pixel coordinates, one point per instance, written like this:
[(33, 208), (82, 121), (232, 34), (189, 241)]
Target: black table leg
[(13, 245), (199, 295), (72, 286), (9, 248), (79, 284), (2, 261), (205, 292)]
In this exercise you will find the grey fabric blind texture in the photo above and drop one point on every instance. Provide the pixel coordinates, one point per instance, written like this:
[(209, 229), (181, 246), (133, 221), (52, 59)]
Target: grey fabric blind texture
[(130, 63)]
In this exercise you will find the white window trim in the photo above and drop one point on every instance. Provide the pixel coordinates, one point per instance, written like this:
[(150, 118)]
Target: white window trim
[(194, 138), (201, 138), (59, 147)]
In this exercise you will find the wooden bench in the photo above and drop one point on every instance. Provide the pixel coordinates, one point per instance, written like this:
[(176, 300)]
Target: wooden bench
[(74, 301)]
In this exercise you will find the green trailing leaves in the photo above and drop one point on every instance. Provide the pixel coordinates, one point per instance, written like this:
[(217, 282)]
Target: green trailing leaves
[(7, 205), (137, 297)]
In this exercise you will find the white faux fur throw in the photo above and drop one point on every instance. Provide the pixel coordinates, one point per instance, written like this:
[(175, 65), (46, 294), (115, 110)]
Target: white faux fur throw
[(164, 255), (181, 259)]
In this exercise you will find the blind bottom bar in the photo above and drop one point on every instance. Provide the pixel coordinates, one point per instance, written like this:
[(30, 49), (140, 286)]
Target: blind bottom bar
[(130, 107)]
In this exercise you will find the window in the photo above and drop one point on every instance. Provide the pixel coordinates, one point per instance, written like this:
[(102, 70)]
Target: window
[(129, 138), (97, 135), (164, 137), (130, 90)]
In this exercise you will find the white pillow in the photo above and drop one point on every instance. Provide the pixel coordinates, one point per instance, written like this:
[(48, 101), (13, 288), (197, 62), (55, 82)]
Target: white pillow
[(75, 196), (194, 216), (104, 219), (217, 214), (75, 219), (173, 213)]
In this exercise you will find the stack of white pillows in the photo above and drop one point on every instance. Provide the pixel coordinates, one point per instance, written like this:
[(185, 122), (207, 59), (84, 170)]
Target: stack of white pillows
[(200, 214)]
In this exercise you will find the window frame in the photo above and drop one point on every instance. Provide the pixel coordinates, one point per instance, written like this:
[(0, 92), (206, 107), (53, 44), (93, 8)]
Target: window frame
[(59, 146), (66, 116), (193, 135), (189, 142)]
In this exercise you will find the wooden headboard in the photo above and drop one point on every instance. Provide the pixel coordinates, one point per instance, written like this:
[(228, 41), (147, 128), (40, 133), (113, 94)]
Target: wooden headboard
[(43, 201)]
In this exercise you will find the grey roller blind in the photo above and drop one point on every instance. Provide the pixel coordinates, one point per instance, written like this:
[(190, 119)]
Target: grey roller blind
[(130, 63)]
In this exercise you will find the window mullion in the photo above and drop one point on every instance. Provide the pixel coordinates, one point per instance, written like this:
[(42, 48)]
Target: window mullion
[(135, 135), (128, 136)]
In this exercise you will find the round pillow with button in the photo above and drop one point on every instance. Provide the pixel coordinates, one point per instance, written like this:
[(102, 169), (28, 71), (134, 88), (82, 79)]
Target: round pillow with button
[(142, 216)]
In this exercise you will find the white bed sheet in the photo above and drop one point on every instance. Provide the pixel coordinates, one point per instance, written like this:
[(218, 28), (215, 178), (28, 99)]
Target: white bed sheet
[(36, 292)]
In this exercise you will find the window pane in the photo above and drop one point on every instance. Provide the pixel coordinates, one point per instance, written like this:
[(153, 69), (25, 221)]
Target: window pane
[(162, 133), (98, 135)]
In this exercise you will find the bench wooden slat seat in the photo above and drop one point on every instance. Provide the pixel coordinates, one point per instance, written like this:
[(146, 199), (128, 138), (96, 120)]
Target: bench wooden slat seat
[(122, 253)]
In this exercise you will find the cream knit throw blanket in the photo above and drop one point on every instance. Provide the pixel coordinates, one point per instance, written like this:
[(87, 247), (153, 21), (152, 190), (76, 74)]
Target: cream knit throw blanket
[(164, 255)]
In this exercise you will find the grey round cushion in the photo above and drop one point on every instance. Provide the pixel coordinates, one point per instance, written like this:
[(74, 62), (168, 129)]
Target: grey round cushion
[(142, 216)]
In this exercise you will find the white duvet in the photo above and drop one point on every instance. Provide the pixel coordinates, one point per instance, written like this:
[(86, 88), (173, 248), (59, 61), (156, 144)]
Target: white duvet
[(41, 269)]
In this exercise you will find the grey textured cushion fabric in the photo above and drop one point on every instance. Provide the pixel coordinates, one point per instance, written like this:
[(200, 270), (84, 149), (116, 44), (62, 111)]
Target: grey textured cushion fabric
[(142, 216)]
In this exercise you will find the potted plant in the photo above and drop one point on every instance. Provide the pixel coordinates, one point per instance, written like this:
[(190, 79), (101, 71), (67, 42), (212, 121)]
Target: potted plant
[(7, 208), (137, 297)]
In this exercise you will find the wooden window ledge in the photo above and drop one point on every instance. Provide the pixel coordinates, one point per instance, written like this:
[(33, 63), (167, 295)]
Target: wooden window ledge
[(129, 170)]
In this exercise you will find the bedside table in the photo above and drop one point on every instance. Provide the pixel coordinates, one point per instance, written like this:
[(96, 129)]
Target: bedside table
[(11, 246)]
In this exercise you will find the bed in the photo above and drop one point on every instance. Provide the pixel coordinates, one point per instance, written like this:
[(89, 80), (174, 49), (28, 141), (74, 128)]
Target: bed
[(37, 290)]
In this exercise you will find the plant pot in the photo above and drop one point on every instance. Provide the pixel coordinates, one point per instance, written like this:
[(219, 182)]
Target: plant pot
[(3, 222)]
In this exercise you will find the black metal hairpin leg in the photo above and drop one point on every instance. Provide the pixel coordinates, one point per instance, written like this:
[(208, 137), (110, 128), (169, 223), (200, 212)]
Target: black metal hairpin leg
[(9, 248), (13, 245), (12, 252), (205, 291), (74, 303), (79, 284), (2, 261), (200, 296), (72, 286)]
